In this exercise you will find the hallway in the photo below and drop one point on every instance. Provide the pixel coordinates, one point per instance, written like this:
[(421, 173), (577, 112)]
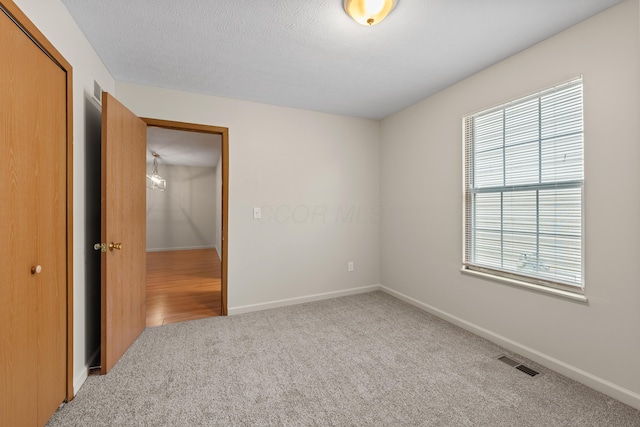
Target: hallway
[(182, 285)]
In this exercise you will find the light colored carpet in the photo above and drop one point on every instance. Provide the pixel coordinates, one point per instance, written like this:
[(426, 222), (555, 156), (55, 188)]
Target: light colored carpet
[(363, 360)]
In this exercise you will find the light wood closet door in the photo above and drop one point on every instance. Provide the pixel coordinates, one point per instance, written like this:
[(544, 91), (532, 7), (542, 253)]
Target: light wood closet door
[(32, 230)]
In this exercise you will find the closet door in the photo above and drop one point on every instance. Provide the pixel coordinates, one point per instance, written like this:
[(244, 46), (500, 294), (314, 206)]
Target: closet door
[(18, 287), (50, 218), (32, 230)]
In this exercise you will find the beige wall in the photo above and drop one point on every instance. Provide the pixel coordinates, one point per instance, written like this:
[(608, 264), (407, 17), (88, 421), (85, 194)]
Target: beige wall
[(184, 215), (421, 175), (316, 177)]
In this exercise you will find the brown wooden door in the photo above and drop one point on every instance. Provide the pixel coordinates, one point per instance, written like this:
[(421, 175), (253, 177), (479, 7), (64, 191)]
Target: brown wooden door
[(124, 139), (33, 230)]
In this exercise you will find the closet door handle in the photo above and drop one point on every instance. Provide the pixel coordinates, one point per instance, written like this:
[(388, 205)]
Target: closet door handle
[(36, 269)]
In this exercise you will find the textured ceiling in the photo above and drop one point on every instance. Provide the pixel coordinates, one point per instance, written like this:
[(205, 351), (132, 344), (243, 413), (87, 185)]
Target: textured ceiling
[(309, 54), (177, 147)]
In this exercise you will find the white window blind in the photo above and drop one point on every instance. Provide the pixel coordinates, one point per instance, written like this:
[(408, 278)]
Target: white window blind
[(523, 189)]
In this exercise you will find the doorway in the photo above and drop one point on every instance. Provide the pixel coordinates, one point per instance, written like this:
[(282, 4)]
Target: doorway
[(184, 225), (107, 314), (221, 229)]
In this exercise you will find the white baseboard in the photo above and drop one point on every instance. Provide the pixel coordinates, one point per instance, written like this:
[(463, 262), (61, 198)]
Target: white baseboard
[(79, 380), (300, 300), (181, 248), (82, 376), (610, 389)]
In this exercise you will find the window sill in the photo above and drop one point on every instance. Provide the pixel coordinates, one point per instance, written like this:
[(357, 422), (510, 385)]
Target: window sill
[(531, 286)]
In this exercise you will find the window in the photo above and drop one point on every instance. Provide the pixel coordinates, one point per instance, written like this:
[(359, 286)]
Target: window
[(523, 189)]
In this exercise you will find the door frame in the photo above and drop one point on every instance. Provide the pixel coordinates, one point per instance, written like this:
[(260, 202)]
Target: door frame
[(224, 133), (23, 22)]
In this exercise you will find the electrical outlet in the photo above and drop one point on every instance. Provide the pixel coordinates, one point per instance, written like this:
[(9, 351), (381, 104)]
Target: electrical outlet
[(257, 213), (350, 266)]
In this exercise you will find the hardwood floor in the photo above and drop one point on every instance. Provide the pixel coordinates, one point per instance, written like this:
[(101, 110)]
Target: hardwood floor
[(182, 285)]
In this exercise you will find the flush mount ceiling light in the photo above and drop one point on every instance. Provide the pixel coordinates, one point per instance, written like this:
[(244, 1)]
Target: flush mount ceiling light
[(369, 12), (155, 181)]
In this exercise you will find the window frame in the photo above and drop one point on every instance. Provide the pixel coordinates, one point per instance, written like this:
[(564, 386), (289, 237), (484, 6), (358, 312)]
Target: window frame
[(574, 291)]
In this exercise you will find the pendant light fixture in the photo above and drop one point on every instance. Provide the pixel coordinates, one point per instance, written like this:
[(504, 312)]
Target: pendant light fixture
[(156, 182), (369, 12)]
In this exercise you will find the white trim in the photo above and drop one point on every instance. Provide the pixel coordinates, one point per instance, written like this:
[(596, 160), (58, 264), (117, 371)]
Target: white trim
[(82, 376), (80, 379), (184, 248), (532, 286), (610, 389), (300, 300)]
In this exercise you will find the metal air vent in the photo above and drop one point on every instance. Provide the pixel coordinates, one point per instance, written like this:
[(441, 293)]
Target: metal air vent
[(527, 370), (508, 361), (519, 366), (97, 93)]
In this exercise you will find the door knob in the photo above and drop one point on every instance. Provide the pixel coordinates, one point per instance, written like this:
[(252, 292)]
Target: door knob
[(103, 246), (36, 269)]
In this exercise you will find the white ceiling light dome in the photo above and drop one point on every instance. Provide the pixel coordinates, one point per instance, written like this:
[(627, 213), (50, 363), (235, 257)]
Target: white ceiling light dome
[(369, 12)]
